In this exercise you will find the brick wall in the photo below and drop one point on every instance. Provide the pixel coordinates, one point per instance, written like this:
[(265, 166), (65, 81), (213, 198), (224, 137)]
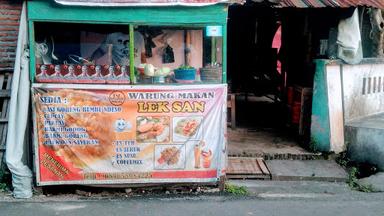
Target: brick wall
[(10, 11)]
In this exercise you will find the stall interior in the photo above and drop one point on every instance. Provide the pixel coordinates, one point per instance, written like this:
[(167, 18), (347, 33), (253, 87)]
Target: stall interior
[(100, 53), (271, 72)]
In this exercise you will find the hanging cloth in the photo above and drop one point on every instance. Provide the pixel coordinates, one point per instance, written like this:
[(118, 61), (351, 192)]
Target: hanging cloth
[(16, 153)]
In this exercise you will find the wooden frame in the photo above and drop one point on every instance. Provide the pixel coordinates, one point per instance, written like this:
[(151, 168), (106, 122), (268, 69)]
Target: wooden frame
[(48, 11)]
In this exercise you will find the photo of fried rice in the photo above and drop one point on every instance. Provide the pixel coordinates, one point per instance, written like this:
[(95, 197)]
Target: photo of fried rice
[(187, 126), (152, 129), (170, 156)]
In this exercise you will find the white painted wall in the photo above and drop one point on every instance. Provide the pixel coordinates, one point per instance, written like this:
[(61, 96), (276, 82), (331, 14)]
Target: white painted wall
[(362, 99), (335, 108)]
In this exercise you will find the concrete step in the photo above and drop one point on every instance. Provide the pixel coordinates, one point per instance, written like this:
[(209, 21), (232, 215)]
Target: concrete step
[(365, 140), (308, 170)]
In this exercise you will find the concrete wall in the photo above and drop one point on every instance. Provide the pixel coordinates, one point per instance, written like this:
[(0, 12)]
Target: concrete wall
[(363, 90), (344, 93), (10, 11), (327, 127)]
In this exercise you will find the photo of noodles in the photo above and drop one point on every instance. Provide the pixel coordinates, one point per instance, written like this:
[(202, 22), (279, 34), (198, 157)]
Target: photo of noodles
[(152, 129), (187, 126)]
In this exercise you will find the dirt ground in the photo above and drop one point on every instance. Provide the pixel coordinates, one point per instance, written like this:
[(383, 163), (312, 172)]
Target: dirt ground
[(263, 143), (262, 131)]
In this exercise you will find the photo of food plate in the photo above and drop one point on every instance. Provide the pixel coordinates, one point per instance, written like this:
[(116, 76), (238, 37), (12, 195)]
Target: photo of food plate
[(187, 128), (169, 157), (152, 129)]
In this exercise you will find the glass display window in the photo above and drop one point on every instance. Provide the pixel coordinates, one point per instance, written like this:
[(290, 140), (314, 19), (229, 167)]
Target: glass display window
[(178, 54), (100, 53), (81, 53)]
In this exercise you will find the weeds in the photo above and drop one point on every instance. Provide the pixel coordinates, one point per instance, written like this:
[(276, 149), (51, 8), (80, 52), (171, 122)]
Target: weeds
[(236, 190), (5, 180), (354, 184), (354, 173), (3, 187)]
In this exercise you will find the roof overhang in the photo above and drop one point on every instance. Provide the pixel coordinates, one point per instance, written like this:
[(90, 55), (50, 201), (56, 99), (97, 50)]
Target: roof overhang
[(325, 3), (124, 3)]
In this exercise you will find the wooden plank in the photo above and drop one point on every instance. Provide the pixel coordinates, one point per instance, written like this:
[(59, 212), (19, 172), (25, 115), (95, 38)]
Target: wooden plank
[(5, 112), (5, 93), (244, 166), (233, 111), (262, 166), (2, 77)]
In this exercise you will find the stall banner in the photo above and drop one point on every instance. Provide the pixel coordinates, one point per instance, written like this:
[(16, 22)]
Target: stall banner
[(129, 134), (120, 3)]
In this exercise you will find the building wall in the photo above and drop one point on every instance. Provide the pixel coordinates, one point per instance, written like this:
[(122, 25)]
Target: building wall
[(363, 89), (10, 11)]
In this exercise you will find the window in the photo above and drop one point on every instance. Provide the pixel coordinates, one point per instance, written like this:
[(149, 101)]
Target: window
[(100, 53)]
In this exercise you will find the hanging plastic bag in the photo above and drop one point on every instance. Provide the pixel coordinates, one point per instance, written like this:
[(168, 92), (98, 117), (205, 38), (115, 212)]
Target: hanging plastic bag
[(168, 55)]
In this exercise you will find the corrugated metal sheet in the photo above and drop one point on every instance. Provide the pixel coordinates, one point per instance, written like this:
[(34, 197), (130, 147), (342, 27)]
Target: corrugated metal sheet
[(10, 11), (329, 3)]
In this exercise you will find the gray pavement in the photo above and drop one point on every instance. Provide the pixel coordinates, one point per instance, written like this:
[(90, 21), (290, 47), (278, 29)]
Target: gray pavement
[(297, 170), (291, 198), (199, 206), (375, 181)]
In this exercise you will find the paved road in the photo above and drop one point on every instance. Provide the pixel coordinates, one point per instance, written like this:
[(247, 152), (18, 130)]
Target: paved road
[(211, 205), (266, 198)]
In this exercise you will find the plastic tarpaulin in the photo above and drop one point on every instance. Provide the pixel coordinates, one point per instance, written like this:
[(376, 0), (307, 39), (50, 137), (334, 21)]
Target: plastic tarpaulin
[(18, 117), (349, 39), (107, 134)]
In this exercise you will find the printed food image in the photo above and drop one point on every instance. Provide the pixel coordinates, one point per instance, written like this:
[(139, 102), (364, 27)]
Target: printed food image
[(187, 126), (92, 123), (152, 129), (170, 156)]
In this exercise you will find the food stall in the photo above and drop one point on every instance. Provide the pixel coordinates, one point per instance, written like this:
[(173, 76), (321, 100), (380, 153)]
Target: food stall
[(126, 92)]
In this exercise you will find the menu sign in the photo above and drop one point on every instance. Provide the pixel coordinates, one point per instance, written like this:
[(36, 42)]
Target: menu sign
[(129, 134)]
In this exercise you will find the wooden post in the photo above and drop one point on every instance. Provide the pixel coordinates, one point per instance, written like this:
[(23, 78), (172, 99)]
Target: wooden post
[(132, 54), (213, 50), (187, 47), (222, 183)]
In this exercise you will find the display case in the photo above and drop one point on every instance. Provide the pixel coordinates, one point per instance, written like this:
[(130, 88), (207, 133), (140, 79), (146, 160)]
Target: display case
[(85, 51), (128, 94)]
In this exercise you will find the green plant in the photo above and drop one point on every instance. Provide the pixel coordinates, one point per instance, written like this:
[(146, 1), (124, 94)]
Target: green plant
[(3, 187), (235, 190), (185, 67), (313, 144), (342, 159), (355, 184)]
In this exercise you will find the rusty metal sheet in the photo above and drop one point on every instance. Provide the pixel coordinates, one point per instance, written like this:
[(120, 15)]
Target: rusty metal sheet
[(122, 3), (328, 3)]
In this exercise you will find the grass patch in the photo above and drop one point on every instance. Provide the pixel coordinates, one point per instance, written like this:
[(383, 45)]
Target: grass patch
[(235, 190)]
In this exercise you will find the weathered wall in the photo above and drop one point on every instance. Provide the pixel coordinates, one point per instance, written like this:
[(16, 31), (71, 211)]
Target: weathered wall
[(10, 11), (327, 127), (363, 89), (343, 94)]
